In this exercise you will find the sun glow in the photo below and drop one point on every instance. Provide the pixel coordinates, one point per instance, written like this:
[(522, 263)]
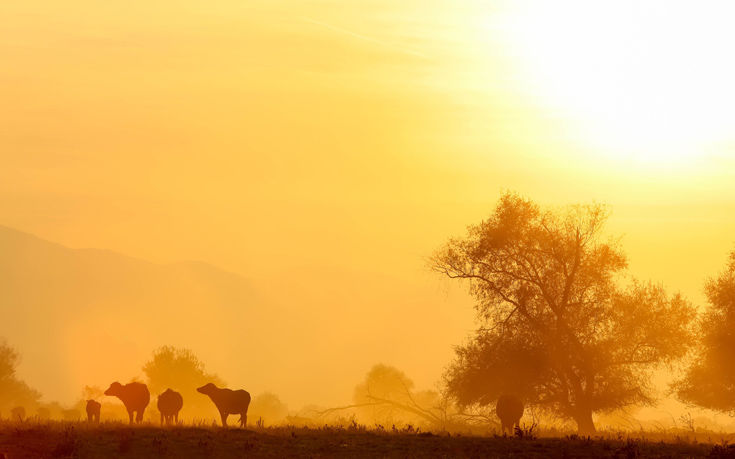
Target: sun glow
[(643, 81)]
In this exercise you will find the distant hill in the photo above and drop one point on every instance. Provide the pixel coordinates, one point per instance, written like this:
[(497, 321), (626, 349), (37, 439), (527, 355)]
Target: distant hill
[(95, 314), (309, 333)]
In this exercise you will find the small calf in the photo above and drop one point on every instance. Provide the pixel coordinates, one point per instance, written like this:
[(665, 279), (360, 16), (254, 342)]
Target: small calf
[(93, 411)]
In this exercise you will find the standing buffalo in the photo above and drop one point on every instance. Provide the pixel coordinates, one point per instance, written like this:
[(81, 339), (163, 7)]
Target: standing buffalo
[(135, 397), (169, 404), (228, 402), (509, 409), (93, 411)]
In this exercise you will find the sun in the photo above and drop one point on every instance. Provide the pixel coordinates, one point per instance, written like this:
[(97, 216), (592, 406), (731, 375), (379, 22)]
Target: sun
[(644, 81)]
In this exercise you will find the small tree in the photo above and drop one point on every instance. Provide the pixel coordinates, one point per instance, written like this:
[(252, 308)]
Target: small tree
[(268, 407), (710, 379), (13, 391), (387, 395), (181, 370), (555, 324)]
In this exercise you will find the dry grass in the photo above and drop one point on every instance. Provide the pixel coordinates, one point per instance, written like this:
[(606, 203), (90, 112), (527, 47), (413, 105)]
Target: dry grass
[(79, 440)]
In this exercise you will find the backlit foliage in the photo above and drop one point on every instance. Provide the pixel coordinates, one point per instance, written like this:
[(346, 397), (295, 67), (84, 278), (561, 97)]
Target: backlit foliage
[(557, 326), (181, 370), (710, 380), (13, 391)]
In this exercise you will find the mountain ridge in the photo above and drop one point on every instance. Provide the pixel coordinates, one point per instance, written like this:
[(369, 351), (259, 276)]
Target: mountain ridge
[(89, 295)]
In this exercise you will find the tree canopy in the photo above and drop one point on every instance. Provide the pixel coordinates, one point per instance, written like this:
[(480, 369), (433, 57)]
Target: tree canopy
[(710, 379), (13, 391), (557, 324), (387, 395), (181, 370)]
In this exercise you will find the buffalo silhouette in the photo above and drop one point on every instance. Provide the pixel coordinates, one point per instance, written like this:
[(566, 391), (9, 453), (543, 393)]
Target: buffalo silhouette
[(509, 409), (169, 404), (228, 402), (93, 411), (135, 397)]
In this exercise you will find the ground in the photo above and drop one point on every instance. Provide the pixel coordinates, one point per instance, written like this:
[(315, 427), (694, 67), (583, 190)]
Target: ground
[(79, 440)]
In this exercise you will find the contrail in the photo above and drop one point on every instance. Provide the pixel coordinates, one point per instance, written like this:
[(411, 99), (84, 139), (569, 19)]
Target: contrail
[(365, 37)]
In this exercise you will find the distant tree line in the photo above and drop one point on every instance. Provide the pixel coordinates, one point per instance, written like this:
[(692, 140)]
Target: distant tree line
[(561, 323)]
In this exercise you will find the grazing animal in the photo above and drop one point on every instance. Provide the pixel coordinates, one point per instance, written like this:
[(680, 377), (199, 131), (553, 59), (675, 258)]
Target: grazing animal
[(228, 402), (18, 413), (509, 409), (93, 411), (135, 397), (169, 404)]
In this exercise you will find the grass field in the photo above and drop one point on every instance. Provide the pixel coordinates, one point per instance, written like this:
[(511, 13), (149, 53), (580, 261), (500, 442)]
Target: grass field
[(79, 440)]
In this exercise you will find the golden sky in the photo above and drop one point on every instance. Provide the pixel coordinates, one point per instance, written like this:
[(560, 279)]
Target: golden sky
[(285, 139)]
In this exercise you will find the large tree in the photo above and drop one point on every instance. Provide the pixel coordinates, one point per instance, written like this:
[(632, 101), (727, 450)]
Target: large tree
[(557, 324), (710, 380)]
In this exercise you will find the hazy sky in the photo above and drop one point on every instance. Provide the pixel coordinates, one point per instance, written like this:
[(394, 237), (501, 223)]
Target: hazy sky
[(284, 139)]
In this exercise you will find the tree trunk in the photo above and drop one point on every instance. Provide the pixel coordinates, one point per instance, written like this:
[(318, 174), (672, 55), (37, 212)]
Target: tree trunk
[(585, 424)]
